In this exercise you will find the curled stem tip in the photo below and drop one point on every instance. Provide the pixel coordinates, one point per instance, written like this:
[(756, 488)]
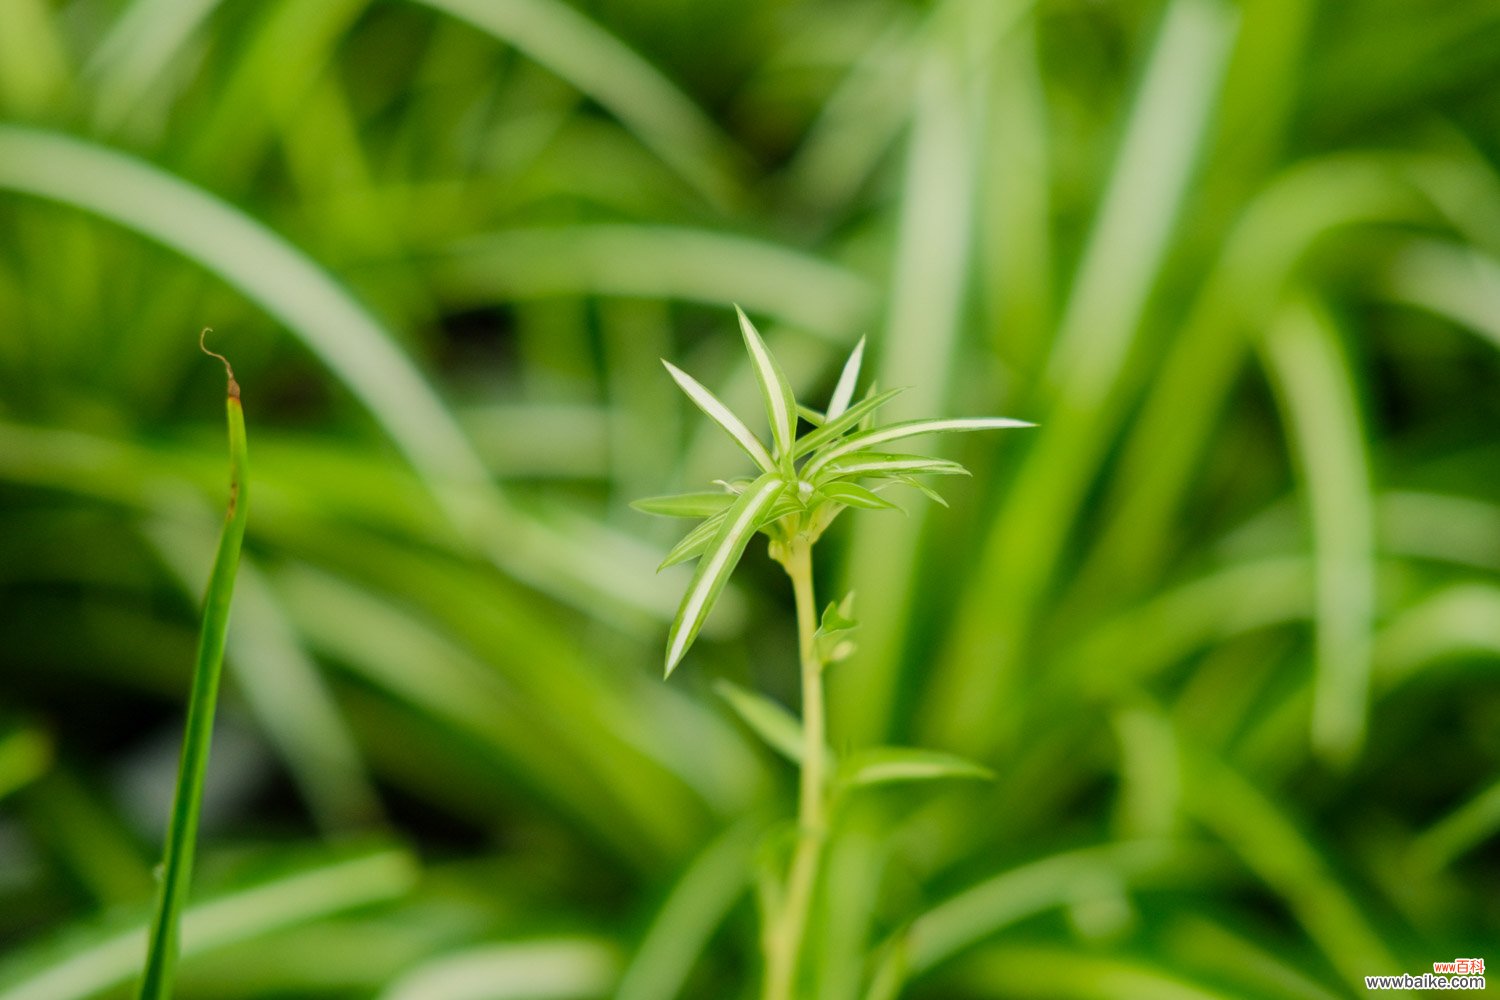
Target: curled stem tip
[(234, 387)]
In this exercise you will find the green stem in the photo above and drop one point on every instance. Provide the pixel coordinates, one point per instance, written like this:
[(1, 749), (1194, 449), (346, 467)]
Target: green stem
[(187, 803), (785, 939)]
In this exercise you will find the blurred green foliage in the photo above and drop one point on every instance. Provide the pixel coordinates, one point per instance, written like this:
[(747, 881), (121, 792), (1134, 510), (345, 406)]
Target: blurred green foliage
[(1225, 626)]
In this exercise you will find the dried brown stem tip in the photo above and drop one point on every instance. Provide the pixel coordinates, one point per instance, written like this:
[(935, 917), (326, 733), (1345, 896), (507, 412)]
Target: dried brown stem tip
[(234, 387)]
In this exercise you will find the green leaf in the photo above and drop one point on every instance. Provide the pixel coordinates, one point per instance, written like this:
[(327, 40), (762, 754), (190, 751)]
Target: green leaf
[(838, 616), (187, 802), (770, 720), (692, 544), (811, 415), (831, 430), (831, 638), (718, 562), (906, 429), (853, 495), (783, 506), (885, 765), (723, 416), (843, 393), (685, 504), (873, 463), (922, 488), (781, 404)]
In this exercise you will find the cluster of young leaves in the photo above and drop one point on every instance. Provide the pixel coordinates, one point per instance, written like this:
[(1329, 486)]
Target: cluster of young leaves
[(802, 482)]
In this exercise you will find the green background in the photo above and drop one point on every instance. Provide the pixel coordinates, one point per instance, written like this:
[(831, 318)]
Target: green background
[(1226, 624)]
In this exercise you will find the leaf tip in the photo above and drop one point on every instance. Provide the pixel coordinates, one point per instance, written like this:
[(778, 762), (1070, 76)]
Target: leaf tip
[(234, 387)]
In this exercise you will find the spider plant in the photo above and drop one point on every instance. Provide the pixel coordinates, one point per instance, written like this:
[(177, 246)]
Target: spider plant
[(800, 486)]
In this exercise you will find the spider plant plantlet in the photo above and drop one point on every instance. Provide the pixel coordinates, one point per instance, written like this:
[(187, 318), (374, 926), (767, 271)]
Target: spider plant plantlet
[(800, 485), (187, 802)]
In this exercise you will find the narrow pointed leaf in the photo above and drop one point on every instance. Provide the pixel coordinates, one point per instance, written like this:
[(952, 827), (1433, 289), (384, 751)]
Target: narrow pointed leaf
[(811, 415), (781, 404), (685, 504), (723, 416), (843, 393), (781, 508), (164, 941), (873, 463), (868, 420), (884, 765), (771, 721), (693, 543), (718, 562), (853, 495), (832, 637), (831, 430), (907, 428), (838, 616), (922, 488)]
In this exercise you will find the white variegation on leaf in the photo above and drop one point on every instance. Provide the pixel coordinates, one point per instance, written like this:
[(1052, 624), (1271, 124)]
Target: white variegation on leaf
[(723, 416), (907, 428), (692, 544), (834, 427), (781, 404), (878, 464), (718, 561), (685, 504), (843, 392), (792, 506)]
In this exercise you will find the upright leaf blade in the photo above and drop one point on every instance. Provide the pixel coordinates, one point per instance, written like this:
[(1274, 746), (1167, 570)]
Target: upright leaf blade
[(718, 562), (723, 416), (906, 429), (781, 404), (843, 392), (693, 544), (835, 426)]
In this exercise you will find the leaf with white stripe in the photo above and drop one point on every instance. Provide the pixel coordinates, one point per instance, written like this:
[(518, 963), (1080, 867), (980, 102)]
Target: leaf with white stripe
[(834, 427), (879, 464), (685, 504), (781, 404), (787, 504), (723, 416), (905, 429), (844, 391), (693, 543), (719, 559)]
